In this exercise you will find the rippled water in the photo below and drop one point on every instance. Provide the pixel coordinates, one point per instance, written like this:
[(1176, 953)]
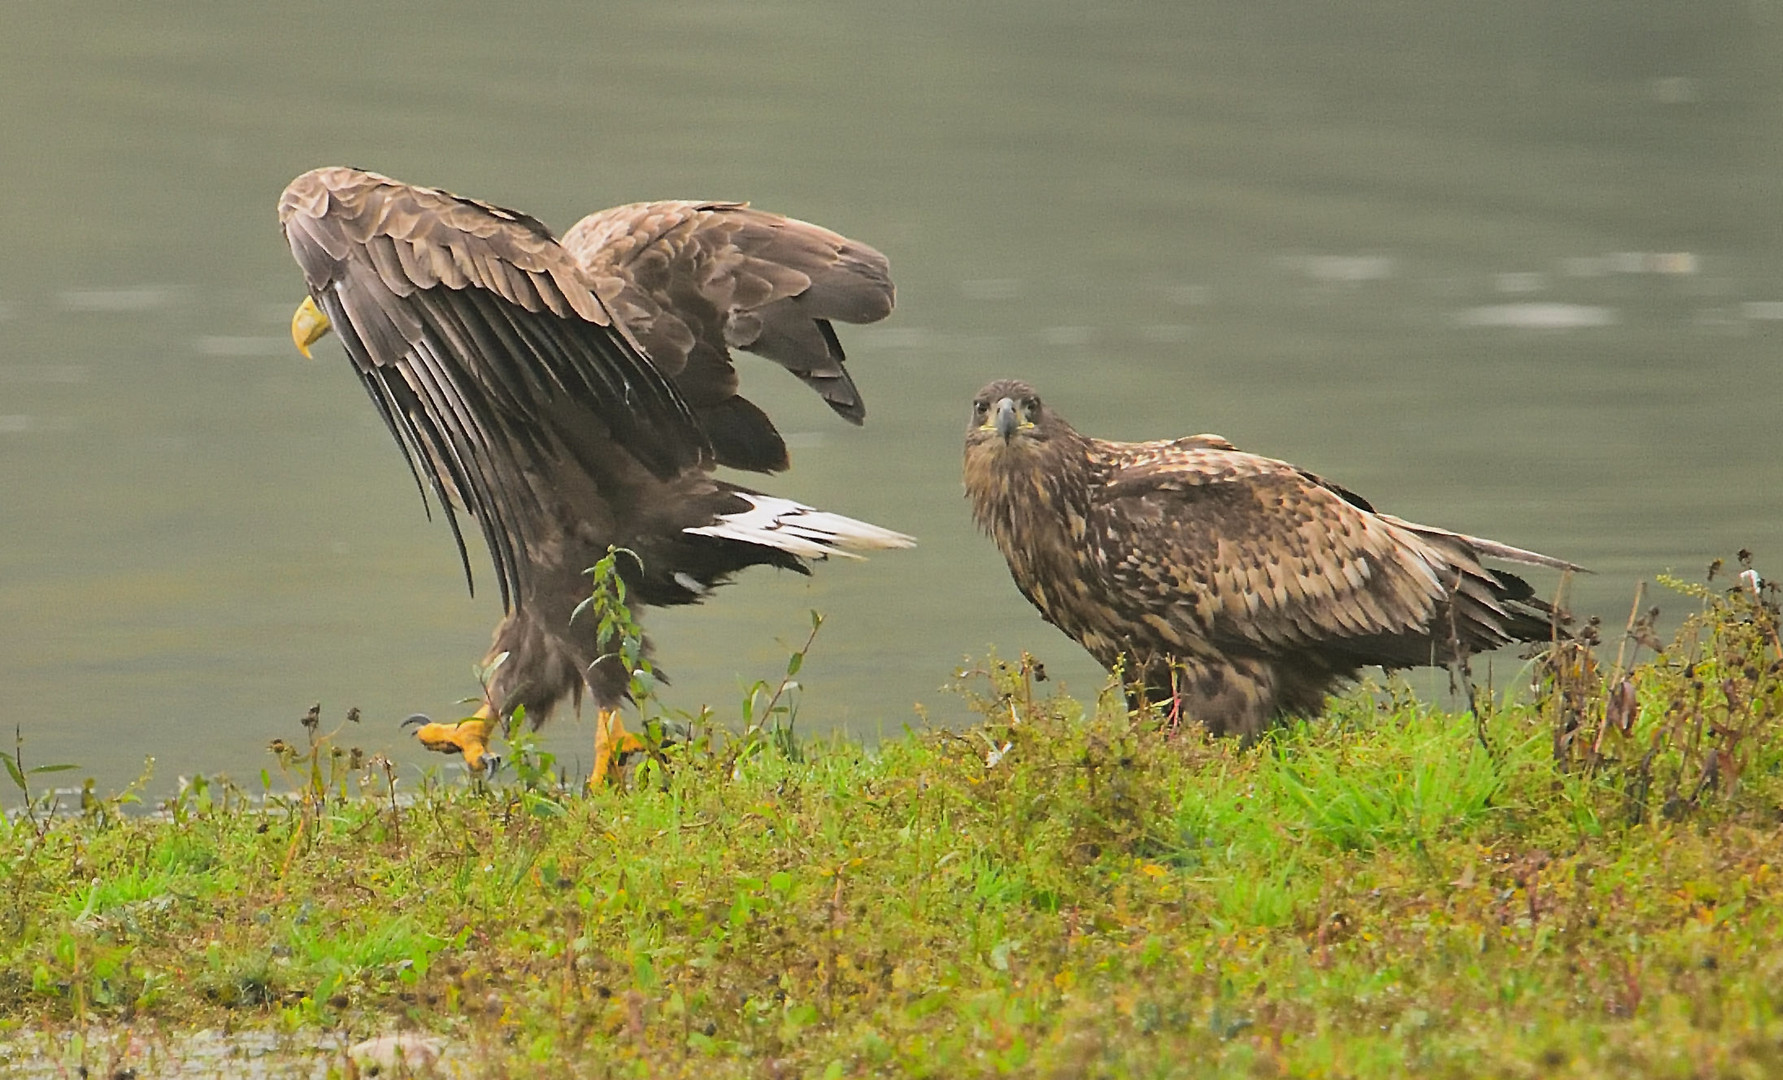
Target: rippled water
[(1516, 269)]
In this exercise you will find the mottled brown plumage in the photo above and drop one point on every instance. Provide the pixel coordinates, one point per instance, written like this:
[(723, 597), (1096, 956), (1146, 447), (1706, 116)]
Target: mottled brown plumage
[(493, 353), (1244, 587)]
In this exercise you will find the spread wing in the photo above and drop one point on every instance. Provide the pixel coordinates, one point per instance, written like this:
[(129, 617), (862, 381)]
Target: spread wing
[(1254, 554), (478, 339), (694, 280)]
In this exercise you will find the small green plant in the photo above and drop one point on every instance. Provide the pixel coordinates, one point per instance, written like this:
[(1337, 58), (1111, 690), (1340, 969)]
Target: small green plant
[(616, 628), (769, 711), (319, 770), (1687, 727), (21, 775), (770, 715)]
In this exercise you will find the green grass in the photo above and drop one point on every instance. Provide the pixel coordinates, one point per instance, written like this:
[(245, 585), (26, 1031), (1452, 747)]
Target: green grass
[(1588, 886)]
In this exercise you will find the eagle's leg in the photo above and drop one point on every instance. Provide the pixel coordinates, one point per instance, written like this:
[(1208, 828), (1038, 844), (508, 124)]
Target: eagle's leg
[(611, 742), (1173, 721), (469, 737), (1156, 687)]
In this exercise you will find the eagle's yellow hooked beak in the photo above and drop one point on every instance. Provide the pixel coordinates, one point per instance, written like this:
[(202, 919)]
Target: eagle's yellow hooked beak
[(308, 325)]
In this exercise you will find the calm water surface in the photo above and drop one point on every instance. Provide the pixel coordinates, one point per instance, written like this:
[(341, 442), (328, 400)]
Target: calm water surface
[(1515, 269)]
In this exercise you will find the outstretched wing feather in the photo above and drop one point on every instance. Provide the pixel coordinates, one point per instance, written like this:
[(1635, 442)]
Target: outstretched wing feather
[(469, 324), (693, 280)]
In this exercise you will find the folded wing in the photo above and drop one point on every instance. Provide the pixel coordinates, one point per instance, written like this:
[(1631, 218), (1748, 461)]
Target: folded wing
[(1255, 555)]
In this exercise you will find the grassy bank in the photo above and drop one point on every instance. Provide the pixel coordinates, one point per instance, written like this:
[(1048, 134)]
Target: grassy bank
[(1590, 885)]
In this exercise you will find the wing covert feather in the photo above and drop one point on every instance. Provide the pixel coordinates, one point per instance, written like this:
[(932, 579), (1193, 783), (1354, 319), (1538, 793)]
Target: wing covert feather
[(1241, 549), (693, 280)]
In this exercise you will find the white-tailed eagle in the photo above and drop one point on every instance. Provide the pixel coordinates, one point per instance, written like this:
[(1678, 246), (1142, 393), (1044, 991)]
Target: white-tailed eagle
[(1238, 587), (575, 395)]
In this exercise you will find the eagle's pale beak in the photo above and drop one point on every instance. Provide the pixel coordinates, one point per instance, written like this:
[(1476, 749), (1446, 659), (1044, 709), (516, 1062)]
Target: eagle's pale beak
[(1006, 420), (308, 324)]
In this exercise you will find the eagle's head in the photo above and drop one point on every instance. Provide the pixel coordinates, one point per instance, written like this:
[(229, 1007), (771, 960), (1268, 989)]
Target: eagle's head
[(1024, 465), (1009, 417)]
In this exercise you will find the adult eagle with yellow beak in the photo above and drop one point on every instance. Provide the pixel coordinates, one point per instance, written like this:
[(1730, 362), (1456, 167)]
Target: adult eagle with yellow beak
[(575, 396), (1238, 588)]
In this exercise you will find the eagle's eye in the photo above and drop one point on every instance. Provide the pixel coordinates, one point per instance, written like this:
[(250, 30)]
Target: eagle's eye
[(979, 408), (1030, 406)]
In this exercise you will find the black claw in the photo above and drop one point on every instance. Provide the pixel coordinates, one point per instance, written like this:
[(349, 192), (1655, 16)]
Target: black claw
[(417, 720)]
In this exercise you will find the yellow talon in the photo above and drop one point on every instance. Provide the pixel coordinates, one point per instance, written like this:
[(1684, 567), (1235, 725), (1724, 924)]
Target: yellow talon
[(308, 324), (469, 737), (611, 741)]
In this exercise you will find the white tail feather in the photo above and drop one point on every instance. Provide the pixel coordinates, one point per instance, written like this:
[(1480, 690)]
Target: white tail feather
[(801, 530)]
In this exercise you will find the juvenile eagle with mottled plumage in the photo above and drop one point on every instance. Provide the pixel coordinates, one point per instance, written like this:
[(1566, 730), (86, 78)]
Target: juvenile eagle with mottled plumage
[(1239, 587), (574, 395)]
